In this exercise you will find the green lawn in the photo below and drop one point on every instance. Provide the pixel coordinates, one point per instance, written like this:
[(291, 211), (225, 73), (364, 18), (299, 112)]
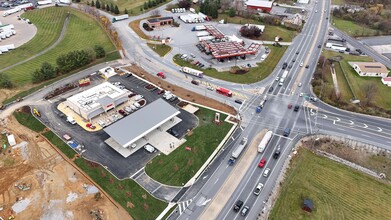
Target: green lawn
[(254, 75), (125, 192), (160, 49), (178, 167), (83, 32), (354, 29), (270, 31), (338, 192), (28, 120), (338, 2), (49, 23), (359, 82)]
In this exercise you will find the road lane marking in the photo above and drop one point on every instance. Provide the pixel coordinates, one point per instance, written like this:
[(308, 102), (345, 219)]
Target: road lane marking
[(365, 126), (216, 180), (380, 130), (138, 171)]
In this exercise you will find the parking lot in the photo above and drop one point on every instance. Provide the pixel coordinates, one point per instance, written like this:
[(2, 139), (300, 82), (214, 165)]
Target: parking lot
[(185, 40), (95, 147), (24, 31)]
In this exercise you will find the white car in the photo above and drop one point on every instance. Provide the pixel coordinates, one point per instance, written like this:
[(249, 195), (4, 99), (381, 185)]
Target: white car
[(301, 64), (299, 85), (266, 173), (301, 94), (277, 78), (210, 88), (116, 83), (149, 148), (258, 189)]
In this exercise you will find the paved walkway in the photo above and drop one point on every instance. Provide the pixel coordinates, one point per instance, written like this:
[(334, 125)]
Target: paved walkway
[(64, 27), (335, 82), (158, 190)]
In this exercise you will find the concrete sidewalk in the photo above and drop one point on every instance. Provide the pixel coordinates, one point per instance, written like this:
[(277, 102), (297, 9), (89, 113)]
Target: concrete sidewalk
[(229, 186)]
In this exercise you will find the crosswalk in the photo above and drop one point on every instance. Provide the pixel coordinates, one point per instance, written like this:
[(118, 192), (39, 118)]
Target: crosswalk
[(183, 205)]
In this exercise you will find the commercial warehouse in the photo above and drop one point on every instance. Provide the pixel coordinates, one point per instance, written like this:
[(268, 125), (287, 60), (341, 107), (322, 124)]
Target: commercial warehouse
[(146, 126), (97, 100)]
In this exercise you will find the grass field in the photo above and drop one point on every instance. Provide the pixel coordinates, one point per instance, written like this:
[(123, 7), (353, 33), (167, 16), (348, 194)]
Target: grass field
[(160, 49), (338, 2), (254, 75), (178, 167), (28, 120), (358, 82), (60, 144), (270, 31), (354, 29), (338, 192), (49, 23), (82, 32), (125, 192)]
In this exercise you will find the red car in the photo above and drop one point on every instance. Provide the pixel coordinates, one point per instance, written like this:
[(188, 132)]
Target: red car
[(262, 163), (122, 112), (289, 106), (161, 92)]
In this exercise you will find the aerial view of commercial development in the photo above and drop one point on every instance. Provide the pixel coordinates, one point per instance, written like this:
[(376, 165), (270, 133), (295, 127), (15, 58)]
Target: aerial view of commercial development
[(195, 109)]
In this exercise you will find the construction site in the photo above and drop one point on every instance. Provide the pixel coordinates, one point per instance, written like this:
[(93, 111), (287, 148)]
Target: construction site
[(38, 182)]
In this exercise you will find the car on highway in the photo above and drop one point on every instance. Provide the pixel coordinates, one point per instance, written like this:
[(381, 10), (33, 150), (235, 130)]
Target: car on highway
[(210, 88), (238, 101), (290, 66), (195, 82), (271, 89), (299, 85), (277, 78), (277, 153), (245, 210), (262, 163), (301, 64), (289, 106), (293, 60), (284, 65), (301, 94), (297, 52), (238, 205), (173, 132), (314, 99), (296, 109), (266, 172), (258, 189), (307, 66), (319, 46)]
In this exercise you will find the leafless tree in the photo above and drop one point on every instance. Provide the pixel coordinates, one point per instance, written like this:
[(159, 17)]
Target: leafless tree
[(370, 90), (155, 13)]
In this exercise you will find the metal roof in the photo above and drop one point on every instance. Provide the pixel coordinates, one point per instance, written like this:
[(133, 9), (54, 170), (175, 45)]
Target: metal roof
[(138, 124)]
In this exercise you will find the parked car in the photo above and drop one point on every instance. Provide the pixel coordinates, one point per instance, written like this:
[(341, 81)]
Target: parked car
[(173, 98), (173, 132), (161, 92), (122, 112), (210, 88), (262, 163), (258, 189), (149, 148)]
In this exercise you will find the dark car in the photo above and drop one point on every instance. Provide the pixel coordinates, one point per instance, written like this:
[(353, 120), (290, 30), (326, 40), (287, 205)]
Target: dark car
[(238, 101), (238, 205), (296, 108), (319, 46), (307, 66), (284, 65), (293, 60), (173, 99), (161, 92), (287, 131), (122, 112), (276, 153), (297, 52), (173, 132), (128, 75), (271, 89), (195, 82)]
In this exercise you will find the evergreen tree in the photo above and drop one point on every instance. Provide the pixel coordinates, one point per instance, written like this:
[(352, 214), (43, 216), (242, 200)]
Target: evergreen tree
[(97, 3), (103, 6), (126, 11), (149, 3), (116, 10), (92, 3), (145, 6)]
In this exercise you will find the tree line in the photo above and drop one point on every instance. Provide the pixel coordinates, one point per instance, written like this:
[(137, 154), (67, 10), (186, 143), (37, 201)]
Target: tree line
[(67, 62), (151, 4), (101, 5)]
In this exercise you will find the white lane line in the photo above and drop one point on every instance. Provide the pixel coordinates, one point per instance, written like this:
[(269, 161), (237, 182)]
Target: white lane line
[(216, 180), (232, 138), (351, 122), (136, 173), (338, 119), (325, 116), (365, 126), (380, 130), (156, 189)]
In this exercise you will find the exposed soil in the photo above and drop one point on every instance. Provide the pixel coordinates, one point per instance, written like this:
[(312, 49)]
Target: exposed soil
[(58, 190), (181, 92)]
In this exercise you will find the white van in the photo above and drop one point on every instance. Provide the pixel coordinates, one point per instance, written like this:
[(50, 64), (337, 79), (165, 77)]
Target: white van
[(149, 148), (136, 105), (263, 57), (71, 120)]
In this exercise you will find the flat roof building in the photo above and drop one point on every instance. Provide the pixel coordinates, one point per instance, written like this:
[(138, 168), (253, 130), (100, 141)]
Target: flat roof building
[(260, 5), (124, 134), (157, 22), (97, 100), (375, 69)]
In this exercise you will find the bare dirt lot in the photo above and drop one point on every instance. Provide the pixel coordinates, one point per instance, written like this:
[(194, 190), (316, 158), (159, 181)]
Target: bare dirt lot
[(181, 92), (37, 183)]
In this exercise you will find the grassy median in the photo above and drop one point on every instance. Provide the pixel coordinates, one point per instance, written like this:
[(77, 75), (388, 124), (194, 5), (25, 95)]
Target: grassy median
[(160, 49), (255, 74), (178, 167), (338, 192)]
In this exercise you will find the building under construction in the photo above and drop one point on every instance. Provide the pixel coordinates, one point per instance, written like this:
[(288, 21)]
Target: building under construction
[(221, 50)]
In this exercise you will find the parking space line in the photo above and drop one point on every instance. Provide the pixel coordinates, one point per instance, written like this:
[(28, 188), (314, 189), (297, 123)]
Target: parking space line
[(138, 171)]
